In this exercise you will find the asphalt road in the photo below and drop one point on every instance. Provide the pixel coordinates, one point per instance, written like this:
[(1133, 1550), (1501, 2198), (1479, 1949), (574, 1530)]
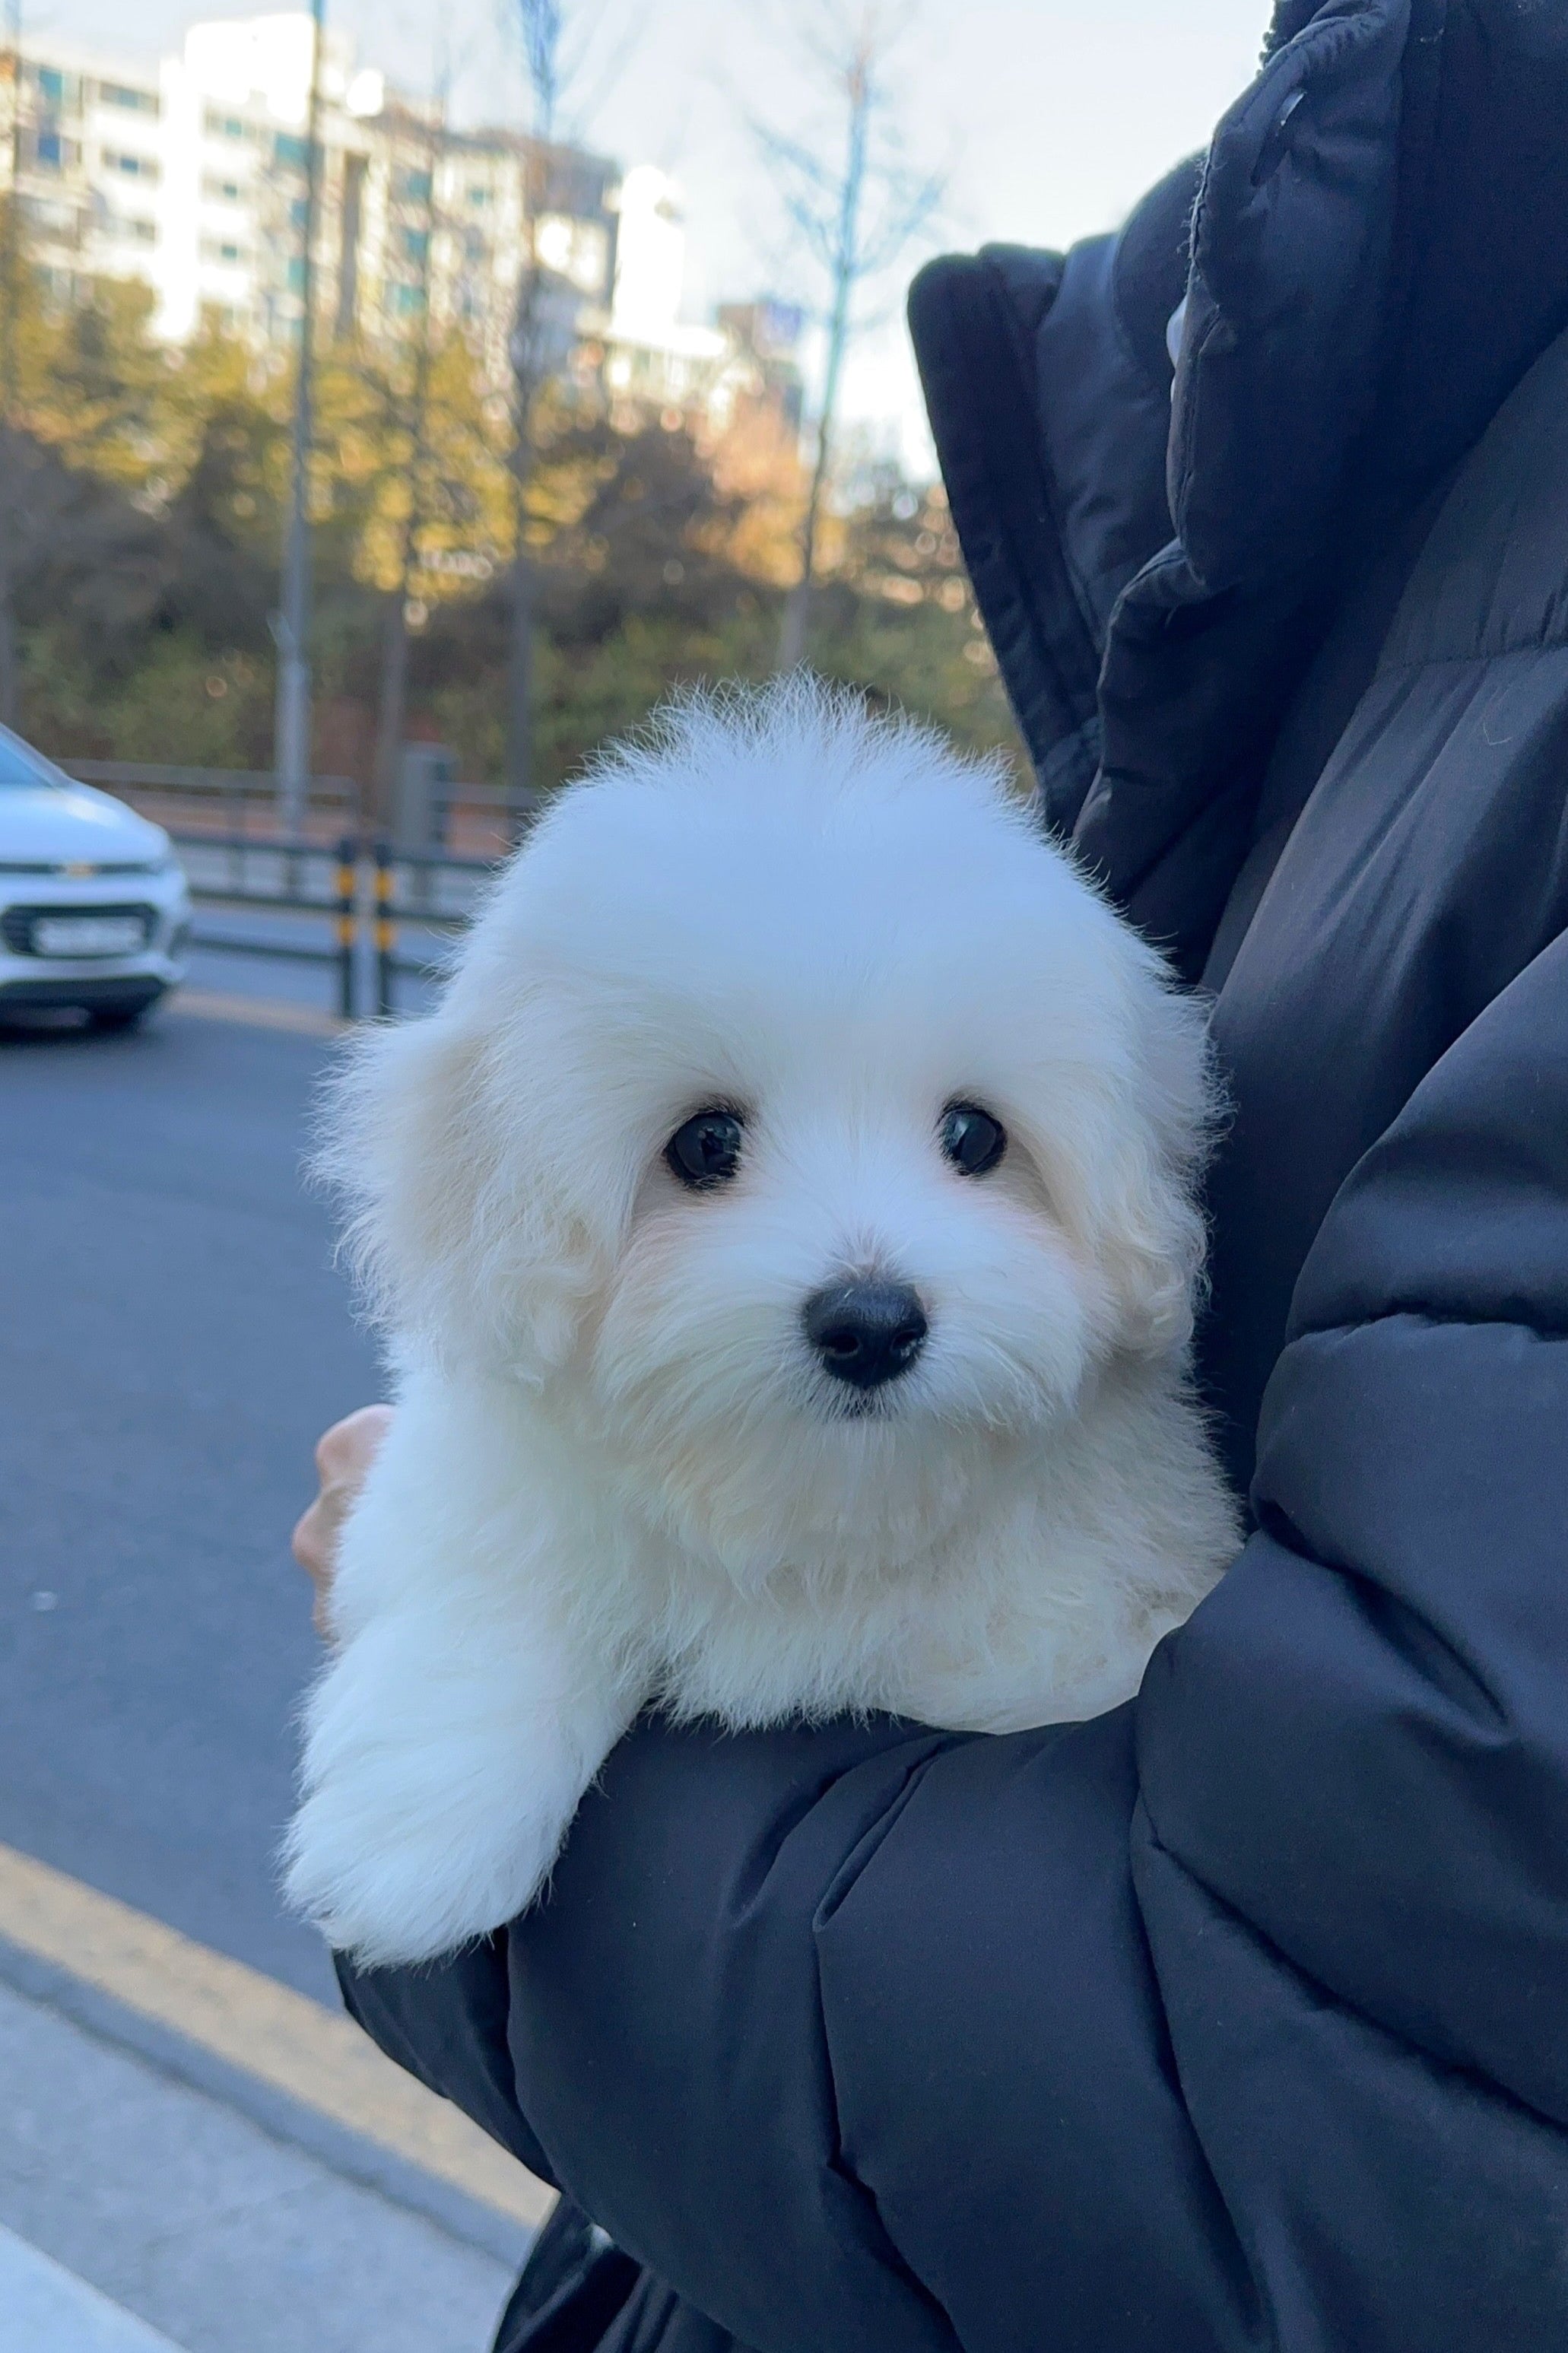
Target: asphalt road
[(172, 1337), (219, 961)]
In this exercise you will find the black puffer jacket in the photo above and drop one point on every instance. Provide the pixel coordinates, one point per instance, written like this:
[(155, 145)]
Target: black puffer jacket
[(1237, 2019)]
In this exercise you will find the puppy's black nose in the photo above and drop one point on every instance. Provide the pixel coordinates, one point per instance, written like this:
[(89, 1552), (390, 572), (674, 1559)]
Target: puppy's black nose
[(865, 1332)]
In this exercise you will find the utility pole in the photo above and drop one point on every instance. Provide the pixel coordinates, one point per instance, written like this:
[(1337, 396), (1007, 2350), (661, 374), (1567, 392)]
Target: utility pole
[(524, 584), (543, 24), (291, 626), (393, 697), (10, 379), (8, 367)]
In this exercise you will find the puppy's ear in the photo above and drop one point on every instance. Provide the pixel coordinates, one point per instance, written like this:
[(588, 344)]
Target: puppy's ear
[(457, 1231), (1150, 1235)]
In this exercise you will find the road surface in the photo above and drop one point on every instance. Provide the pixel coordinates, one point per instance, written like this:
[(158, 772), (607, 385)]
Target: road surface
[(173, 1335)]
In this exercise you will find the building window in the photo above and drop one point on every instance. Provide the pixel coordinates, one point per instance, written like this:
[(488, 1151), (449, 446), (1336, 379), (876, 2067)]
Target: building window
[(299, 211), (416, 244), (223, 126), (479, 195), (136, 101), (135, 168), (474, 246), (222, 192), (296, 274), (53, 153), (223, 250), (61, 92), (139, 232), (291, 151), (411, 187), (407, 301)]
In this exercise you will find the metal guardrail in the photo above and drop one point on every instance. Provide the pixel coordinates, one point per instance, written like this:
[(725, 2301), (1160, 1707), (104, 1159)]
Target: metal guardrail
[(342, 909), (208, 784), (337, 801), (424, 869), (364, 905)]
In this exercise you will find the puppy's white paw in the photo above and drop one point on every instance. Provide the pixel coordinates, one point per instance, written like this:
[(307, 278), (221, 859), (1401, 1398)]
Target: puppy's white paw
[(391, 1873), (444, 1761)]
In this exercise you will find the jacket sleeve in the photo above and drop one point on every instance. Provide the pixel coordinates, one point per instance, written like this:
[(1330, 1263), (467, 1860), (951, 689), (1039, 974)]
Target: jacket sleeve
[(1351, 1849), (447, 2025), (1237, 2019)]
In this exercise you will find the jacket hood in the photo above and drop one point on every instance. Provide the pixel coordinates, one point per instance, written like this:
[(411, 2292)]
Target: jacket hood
[(1365, 262)]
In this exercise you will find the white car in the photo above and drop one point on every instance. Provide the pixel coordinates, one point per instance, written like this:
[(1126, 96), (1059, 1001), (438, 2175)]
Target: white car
[(94, 907)]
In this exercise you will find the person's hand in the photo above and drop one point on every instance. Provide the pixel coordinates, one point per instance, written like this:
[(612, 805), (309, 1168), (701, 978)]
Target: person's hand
[(344, 1456)]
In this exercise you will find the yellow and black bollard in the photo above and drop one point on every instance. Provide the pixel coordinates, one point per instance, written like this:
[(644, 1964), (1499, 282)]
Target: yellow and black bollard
[(347, 922), (385, 930)]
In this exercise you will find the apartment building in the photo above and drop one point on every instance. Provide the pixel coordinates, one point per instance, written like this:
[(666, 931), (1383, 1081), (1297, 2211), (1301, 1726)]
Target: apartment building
[(193, 175), (235, 112), (85, 138), (650, 359), (440, 217)]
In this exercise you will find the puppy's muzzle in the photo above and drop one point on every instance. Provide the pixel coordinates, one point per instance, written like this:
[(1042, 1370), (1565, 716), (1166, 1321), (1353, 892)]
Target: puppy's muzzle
[(865, 1332)]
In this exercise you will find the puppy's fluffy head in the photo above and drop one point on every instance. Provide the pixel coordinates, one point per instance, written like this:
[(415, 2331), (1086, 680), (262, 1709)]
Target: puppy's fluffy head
[(843, 944)]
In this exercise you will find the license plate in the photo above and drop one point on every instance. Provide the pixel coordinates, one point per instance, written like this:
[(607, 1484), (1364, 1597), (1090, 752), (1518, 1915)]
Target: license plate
[(87, 935)]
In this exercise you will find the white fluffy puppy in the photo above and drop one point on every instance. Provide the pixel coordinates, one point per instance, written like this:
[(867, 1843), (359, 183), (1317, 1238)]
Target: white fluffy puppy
[(784, 1228)]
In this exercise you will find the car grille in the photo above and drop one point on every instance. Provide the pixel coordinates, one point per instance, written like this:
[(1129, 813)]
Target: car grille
[(54, 866), (17, 922)]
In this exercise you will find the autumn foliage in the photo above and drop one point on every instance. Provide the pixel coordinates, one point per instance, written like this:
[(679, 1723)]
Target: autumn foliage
[(143, 492)]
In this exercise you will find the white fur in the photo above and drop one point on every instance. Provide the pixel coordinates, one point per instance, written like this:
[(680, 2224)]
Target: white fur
[(617, 1475)]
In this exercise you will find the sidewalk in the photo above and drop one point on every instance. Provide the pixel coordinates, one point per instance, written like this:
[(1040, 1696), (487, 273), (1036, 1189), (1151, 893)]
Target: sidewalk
[(43, 2306), (200, 2224), (145, 2209)]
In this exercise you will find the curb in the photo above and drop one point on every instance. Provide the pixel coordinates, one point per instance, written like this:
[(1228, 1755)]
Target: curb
[(304, 2074), (337, 2147)]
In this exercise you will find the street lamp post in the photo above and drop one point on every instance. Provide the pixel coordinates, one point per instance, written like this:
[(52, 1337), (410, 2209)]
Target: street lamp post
[(291, 625), (12, 214), (10, 365)]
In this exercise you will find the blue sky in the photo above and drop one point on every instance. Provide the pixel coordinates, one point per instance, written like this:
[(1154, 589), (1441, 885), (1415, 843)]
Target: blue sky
[(1049, 117)]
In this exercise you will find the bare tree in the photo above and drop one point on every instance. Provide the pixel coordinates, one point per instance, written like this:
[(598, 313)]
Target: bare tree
[(855, 204), (559, 39)]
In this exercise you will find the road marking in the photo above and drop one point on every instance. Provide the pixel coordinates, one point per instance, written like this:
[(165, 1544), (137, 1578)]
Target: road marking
[(259, 1012), (44, 2308), (250, 2021)]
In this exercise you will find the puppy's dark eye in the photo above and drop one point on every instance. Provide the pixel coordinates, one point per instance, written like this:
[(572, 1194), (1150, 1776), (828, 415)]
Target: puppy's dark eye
[(707, 1150), (972, 1139)]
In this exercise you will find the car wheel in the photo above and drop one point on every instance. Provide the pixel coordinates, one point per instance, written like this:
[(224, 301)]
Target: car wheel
[(116, 1016)]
